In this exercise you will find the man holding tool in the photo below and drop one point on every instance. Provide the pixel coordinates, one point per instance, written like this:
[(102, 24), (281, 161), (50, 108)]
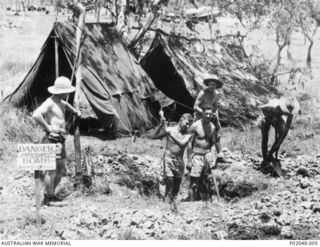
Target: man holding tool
[(173, 165), (277, 113), (208, 99), (202, 158)]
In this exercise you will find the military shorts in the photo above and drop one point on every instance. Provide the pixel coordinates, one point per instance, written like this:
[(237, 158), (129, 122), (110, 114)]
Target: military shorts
[(200, 164), (174, 167)]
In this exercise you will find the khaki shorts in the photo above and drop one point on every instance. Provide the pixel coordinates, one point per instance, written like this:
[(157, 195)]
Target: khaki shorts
[(59, 140), (200, 164), (174, 167)]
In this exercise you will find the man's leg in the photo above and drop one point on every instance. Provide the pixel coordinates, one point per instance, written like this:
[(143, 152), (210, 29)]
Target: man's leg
[(60, 172), (176, 186), (265, 127), (194, 187), (49, 185), (218, 147), (279, 131), (169, 188)]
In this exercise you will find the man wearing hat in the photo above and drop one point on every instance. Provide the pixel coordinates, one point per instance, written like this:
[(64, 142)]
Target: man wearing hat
[(207, 99), (278, 113), (50, 115)]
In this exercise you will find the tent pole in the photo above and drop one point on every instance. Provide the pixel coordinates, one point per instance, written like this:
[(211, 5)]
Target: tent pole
[(56, 56), (77, 72)]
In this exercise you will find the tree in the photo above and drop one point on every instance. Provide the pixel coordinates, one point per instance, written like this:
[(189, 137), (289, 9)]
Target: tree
[(308, 19), (153, 15), (250, 14), (281, 23)]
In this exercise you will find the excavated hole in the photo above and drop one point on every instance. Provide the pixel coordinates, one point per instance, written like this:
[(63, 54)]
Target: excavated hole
[(231, 190)]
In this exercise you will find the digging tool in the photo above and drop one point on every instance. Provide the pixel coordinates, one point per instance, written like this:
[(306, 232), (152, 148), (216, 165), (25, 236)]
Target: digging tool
[(164, 176), (277, 167), (215, 181)]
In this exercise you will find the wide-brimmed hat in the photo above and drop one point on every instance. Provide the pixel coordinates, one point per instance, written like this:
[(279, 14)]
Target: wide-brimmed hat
[(61, 85), (289, 105), (211, 77)]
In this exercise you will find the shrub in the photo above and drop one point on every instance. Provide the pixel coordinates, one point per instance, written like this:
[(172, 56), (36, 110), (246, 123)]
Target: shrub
[(17, 126)]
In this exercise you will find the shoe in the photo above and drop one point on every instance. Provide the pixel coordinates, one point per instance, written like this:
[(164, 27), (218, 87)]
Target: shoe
[(221, 159), (52, 198), (55, 198), (187, 199)]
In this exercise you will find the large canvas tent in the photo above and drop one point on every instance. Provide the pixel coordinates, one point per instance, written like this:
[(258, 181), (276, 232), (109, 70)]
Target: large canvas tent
[(176, 66), (112, 81)]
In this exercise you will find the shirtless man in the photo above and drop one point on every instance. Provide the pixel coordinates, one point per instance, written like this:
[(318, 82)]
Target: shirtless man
[(278, 113), (202, 158), (207, 99), (173, 166), (50, 115)]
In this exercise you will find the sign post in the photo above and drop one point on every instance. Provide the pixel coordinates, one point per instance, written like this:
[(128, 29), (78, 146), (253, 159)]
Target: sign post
[(37, 157)]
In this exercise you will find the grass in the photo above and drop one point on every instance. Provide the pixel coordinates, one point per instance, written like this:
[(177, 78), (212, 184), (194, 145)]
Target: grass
[(17, 126)]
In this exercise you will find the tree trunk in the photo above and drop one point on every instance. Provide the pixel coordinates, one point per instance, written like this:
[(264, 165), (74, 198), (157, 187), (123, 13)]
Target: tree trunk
[(98, 9), (309, 54), (289, 56), (115, 11), (122, 17), (280, 48), (151, 18)]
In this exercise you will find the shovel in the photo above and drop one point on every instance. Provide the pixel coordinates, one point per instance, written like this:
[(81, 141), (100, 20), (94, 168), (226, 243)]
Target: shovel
[(276, 164)]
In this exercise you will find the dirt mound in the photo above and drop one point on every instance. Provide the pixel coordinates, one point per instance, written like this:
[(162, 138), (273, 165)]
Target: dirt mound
[(134, 172)]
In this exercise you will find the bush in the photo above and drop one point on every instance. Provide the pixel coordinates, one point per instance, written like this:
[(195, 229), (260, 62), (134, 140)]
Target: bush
[(17, 126)]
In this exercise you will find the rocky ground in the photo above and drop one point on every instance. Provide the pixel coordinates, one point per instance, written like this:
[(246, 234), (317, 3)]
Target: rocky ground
[(124, 202)]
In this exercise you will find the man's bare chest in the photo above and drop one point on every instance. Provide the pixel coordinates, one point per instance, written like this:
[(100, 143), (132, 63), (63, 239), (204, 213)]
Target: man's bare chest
[(208, 99), (56, 110)]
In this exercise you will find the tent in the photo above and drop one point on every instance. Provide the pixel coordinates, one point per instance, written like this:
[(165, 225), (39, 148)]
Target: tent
[(112, 80), (176, 66)]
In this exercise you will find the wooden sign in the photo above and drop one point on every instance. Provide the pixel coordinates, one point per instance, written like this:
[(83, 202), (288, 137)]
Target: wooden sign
[(36, 157)]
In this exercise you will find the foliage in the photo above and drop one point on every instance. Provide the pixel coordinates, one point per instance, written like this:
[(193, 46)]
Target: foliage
[(249, 13), (17, 126)]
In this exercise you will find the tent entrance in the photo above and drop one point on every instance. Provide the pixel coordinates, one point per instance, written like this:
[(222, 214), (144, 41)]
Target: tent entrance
[(164, 75)]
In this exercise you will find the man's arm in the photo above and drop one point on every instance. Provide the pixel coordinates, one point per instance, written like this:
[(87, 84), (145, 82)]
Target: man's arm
[(198, 101), (71, 108), (276, 146), (39, 113), (215, 104), (180, 142)]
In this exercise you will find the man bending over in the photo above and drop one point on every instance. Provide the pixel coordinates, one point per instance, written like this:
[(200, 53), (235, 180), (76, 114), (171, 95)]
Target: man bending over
[(278, 113)]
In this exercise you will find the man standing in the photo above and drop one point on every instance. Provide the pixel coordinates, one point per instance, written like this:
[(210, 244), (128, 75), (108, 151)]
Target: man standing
[(173, 165), (50, 115), (202, 158), (207, 99), (278, 113)]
